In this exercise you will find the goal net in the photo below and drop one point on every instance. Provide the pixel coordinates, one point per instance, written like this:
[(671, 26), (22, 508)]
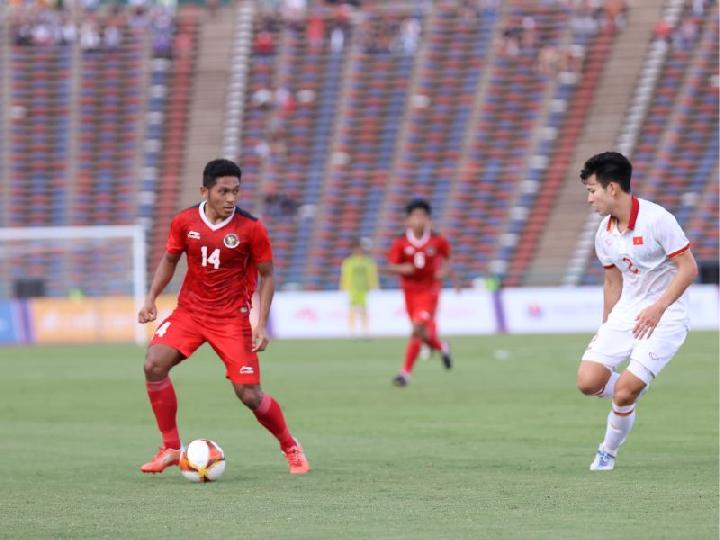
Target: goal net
[(74, 262)]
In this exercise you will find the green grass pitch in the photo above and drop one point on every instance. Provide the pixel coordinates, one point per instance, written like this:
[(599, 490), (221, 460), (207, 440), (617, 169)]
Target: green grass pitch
[(497, 448)]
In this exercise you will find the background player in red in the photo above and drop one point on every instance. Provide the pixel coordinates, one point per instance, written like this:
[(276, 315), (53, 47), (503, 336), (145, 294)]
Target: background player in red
[(226, 249), (421, 258)]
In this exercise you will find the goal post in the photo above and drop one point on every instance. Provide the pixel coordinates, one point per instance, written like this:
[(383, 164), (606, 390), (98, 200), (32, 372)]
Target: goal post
[(55, 244)]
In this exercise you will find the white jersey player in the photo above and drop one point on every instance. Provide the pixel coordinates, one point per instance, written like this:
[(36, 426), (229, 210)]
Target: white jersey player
[(648, 267)]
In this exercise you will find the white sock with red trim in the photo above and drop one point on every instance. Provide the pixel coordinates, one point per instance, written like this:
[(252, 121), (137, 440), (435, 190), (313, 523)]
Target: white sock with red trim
[(619, 423)]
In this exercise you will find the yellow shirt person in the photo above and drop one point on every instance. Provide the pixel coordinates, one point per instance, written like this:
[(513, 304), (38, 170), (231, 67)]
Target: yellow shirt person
[(358, 276)]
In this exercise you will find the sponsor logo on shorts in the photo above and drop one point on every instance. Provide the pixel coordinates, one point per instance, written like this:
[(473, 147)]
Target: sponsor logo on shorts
[(246, 370), (231, 240), (194, 235)]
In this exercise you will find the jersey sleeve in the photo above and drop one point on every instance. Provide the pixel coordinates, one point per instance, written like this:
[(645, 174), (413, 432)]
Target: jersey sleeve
[(671, 236), (177, 239), (260, 249), (602, 256), (396, 252)]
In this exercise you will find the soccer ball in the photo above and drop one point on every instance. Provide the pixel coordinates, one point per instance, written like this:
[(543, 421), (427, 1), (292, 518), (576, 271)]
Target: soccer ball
[(202, 461)]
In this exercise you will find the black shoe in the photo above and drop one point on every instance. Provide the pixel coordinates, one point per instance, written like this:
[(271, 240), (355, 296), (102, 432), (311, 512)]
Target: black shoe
[(400, 381), (445, 356)]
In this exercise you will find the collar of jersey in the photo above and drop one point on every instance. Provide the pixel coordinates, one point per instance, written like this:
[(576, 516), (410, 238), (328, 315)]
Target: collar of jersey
[(213, 226), (417, 242), (634, 211)]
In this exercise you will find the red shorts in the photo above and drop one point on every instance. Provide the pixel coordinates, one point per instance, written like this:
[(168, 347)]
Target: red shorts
[(421, 305), (231, 339)]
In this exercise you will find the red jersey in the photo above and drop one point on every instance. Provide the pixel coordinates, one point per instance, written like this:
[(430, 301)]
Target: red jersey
[(222, 261), (426, 254)]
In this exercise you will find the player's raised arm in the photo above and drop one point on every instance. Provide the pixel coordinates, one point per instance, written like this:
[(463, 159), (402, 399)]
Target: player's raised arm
[(612, 288), (163, 275), (266, 292)]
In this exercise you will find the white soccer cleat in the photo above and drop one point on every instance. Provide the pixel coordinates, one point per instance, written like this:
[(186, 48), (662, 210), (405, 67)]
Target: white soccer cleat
[(604, 461)]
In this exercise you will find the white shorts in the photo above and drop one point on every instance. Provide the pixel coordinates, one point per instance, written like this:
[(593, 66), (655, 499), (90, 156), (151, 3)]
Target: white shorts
[(614, 343)]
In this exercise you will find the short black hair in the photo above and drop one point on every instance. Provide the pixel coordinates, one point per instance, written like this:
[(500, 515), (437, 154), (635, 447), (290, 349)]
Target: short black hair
[(418, 204), (608, 167), (218, 168)]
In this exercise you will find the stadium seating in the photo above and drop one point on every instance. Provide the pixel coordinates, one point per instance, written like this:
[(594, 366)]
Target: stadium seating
[(289, 123), (500, 146), (457, 51), (366, 144), (344, 119), (109, 124)]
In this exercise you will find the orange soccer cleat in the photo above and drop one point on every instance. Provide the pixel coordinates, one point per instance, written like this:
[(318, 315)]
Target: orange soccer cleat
[(296, 459), (164, 458)]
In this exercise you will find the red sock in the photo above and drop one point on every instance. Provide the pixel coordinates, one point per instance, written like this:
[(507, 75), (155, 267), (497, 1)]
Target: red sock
[(411, 354), (433, 341), (164, 405), (270, 415)]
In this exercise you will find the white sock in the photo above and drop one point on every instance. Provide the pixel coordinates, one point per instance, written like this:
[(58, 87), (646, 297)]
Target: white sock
[(619, 423), (607, 392)]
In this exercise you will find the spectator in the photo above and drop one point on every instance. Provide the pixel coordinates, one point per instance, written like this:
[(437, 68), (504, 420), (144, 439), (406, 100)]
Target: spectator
[(548, 59), (262, 98), (685, 36), (337, 40), (89, 36), (111, 37), (264, 43), (410, 35), (663, 30), (315, 33), (528, 36), (68, 32), (511, 40)]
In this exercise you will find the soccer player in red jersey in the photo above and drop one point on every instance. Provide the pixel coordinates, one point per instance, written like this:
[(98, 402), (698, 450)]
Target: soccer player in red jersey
[(226, 248), (421, 258)]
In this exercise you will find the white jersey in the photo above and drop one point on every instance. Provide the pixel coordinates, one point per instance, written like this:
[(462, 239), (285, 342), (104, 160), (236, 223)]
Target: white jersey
[(642, 253)]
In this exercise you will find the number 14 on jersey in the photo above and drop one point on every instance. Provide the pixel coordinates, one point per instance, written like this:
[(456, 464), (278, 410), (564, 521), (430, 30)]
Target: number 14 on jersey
[(213, 259)]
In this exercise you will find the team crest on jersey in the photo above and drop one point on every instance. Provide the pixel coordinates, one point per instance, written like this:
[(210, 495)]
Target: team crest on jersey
[(431, 251), (194, 235), (231, 240), (409, 250)]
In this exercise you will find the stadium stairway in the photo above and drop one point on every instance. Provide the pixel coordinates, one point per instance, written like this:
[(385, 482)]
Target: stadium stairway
[(207, 113), (601, 126)]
